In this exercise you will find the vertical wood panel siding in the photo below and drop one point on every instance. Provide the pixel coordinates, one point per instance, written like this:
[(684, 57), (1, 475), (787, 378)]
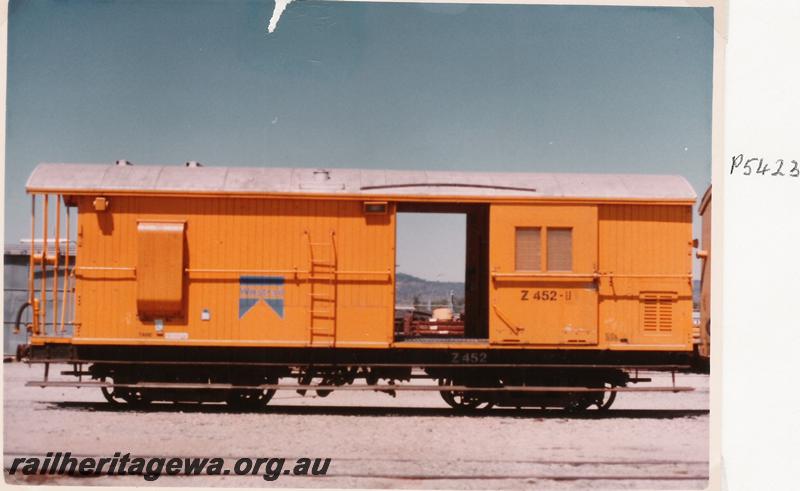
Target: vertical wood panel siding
[(238, 234), (645, 240), (270, 234), (557, 308)]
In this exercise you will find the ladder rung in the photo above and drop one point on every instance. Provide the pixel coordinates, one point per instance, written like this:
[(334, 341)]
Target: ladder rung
[(323, 263), (321, 311), (322, 333), (319, 296)]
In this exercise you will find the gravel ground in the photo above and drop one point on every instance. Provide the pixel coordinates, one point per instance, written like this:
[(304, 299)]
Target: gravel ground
[(646, 441)]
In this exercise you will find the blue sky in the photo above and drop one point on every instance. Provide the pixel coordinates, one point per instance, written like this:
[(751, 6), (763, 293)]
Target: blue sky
[(401, 86)]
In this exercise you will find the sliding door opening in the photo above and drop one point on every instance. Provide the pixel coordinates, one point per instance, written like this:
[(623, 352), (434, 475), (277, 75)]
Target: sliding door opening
[(441, 280)]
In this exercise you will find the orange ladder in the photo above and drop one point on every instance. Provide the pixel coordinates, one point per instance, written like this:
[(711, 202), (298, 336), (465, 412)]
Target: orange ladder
[(322, 278)]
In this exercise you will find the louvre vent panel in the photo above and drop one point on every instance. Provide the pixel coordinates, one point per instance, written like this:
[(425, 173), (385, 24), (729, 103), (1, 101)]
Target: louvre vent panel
[(657, 311)]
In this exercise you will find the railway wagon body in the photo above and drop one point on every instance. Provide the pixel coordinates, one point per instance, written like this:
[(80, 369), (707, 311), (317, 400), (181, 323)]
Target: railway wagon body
[(704, 254), (237, 277)]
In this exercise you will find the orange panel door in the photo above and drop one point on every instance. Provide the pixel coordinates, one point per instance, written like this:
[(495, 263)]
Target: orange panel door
[(159, 270), (543, 260)]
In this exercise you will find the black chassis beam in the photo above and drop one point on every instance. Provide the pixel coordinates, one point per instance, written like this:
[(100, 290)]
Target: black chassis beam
[(416, 357)]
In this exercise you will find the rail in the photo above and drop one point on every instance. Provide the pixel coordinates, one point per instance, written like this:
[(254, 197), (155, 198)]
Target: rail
[(376, 387), (192, 271), (104, 268), (585, 276), (296, 272), (656, 276), (549, 276)]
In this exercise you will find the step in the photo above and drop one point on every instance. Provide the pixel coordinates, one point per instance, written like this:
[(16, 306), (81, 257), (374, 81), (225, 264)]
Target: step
[(321, 298)]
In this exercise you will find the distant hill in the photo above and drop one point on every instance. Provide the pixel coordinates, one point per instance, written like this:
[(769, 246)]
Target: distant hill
[(436, 291)]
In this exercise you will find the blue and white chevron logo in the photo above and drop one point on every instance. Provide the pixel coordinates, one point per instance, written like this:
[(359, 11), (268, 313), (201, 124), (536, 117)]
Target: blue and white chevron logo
[(253, 289)]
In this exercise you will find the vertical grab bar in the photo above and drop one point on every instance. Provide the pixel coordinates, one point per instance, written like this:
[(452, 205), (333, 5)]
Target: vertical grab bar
[(56, 250), (31, 269), (66, 273), (32, 264), (44, 266)]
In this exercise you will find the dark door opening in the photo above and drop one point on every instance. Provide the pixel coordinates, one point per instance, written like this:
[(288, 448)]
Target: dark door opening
[(425, 307)]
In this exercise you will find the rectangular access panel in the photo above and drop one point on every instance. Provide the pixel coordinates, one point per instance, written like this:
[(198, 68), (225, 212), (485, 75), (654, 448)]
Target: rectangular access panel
[(543, 262), (159, 269)]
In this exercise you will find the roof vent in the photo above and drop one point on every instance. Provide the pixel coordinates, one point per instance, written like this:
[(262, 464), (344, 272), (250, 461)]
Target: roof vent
[(123, 163), (193, 163)]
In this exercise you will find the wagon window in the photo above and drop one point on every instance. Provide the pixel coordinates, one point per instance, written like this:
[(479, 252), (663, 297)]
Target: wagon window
[(559, 249), (528, 249)]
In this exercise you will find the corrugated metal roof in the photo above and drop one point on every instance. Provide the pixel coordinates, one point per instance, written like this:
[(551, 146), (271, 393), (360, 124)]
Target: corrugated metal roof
[(76, 178)]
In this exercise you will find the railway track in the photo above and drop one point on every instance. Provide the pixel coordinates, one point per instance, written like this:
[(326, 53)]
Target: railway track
[(388, 411), (411, 441)]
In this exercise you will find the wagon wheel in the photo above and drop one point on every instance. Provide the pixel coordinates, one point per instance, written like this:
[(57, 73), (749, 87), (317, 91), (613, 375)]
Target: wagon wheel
[(110, 395), (251, 399), (469, 401), (607, 399)]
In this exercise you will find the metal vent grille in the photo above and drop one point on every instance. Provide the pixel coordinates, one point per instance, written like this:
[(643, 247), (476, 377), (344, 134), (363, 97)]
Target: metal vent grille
[(559, 249), (528, 249), (657, 311)]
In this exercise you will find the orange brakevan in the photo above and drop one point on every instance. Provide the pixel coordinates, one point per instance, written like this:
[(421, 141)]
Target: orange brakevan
[(571, 280)]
